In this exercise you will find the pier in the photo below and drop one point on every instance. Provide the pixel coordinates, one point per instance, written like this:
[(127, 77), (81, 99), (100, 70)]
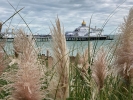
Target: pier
[(39, 39), (68, 38), (42, 39), (80, 38)]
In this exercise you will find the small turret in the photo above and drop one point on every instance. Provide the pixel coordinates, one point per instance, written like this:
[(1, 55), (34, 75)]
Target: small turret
[(83, 23)]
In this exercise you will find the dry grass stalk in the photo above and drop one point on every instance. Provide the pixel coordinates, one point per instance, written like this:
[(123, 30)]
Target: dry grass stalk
[(61, 61), (0, 26), (99, 70), (124, 51), (27, 84)]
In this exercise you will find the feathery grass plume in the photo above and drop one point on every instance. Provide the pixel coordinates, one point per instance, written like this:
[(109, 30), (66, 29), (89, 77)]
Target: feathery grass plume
[(61, 61), (27, 84), (19, 38), (99, 69), (20, 42), (82, 61), (124, 50), (85, 59)]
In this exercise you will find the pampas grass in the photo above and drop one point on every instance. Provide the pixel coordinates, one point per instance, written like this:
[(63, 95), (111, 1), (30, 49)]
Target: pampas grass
[(61, 61), (99, 69), (27, 83), (124, 51), (20, 38), (83, 60)]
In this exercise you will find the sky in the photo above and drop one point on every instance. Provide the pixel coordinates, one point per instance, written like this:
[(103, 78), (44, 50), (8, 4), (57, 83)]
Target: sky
[(41, 14)]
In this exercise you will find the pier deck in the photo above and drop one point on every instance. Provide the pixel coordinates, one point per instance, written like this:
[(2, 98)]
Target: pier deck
[(72, 38)]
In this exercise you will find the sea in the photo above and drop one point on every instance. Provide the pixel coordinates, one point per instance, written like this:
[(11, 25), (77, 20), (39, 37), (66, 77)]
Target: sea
[(73, 47)]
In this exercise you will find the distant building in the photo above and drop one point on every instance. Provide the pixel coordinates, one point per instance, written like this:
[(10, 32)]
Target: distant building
[(83, 30)]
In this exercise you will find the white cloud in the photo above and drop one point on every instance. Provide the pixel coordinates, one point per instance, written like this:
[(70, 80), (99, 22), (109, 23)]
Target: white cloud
[(71, 13)]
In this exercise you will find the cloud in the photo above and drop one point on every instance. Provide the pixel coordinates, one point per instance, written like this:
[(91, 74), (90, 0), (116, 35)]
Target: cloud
[(40, 14)]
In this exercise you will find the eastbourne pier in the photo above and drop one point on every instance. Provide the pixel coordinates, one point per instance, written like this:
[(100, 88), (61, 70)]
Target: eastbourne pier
[(82, 33)]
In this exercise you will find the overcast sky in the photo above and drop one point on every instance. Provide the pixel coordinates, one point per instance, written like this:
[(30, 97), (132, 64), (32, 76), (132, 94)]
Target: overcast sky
[(40, 13)]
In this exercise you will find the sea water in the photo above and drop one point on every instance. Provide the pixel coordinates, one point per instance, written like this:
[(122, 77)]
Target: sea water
[(73, 47)]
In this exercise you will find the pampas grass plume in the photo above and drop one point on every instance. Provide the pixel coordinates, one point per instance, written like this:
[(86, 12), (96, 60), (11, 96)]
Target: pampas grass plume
[(124, 51), (61, 61), (27, 84), (99, 69)]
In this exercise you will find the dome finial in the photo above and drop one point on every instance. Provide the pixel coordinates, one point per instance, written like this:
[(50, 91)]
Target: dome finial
[(83, 23)]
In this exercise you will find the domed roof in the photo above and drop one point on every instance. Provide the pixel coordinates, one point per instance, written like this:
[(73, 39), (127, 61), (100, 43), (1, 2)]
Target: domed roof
[(83, 23)]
